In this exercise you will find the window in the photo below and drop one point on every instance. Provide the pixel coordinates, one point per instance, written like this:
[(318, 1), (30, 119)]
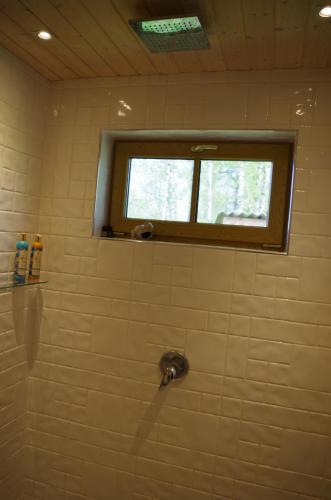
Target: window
[(214, 193)]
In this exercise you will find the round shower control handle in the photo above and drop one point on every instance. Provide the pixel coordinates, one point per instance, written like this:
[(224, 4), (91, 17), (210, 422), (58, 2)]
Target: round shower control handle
[(173, 365)]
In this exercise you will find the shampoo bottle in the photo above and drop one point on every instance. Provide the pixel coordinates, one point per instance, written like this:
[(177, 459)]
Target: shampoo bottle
[(35, 259), (21, 259)]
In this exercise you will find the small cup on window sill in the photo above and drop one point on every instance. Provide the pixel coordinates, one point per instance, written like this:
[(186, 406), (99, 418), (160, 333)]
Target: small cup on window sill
[(142, 231)]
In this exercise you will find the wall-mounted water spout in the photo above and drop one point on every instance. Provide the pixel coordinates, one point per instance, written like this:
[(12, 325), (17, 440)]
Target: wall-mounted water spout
[(173, 365)]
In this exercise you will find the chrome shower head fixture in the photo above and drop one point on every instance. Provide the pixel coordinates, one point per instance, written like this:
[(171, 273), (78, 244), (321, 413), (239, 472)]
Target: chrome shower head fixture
[(171, 34)]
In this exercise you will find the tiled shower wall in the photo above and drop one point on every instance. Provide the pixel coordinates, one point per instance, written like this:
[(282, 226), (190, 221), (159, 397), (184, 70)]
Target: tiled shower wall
[(252, 421), (23, 98)]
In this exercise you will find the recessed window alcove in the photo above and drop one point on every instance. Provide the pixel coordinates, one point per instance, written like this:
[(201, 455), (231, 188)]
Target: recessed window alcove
[(107, 162)]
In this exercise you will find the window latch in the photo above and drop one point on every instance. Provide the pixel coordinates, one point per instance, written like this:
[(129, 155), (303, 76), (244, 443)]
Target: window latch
[(204, 147)]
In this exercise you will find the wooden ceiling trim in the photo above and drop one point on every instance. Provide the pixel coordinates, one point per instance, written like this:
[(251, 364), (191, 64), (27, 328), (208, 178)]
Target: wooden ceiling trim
[(212, 59), (290, 26), (259, 32), (63, 30), (81, 20), (188, 62), (27, 58), (24, 18), (110, 21), (165, 63), (231, 34), (33, 47)]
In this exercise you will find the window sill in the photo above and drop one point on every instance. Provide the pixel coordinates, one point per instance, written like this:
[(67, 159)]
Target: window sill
[(174, 242)]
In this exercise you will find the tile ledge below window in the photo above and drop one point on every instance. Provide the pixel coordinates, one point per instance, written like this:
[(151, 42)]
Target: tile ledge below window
[(195, 245)]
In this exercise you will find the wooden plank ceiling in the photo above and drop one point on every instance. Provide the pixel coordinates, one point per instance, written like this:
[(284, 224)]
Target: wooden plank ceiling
[(92, 38)]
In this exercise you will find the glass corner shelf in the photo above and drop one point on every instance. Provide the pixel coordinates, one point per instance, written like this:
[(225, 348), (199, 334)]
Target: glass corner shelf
[(11, 284)]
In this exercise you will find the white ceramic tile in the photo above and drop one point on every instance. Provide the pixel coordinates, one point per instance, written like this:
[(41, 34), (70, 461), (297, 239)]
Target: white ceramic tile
[(204, 440), (212, 269), (115, 260), (236, 356), (244, 272), (318, 192), (322, 105), (310, 368), (303, 452), (206, 351), (200, 299)]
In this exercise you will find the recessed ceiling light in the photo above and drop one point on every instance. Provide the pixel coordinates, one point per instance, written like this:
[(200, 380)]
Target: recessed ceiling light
[(44, 35), (325, 12)]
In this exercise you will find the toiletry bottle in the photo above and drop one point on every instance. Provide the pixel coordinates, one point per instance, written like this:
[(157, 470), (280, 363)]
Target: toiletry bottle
[(21, 259), (35, 259)]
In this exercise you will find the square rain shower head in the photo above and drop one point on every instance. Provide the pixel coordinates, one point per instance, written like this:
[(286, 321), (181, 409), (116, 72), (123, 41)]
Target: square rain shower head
[(171, 34)]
